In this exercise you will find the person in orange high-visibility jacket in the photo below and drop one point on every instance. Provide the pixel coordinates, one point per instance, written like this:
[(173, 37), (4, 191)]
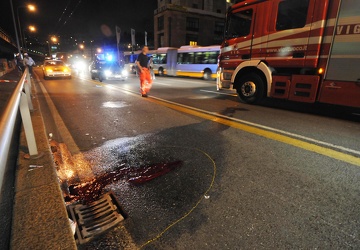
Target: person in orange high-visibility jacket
[(144, 71)]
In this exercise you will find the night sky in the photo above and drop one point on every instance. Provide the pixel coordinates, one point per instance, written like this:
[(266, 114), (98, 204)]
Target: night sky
[(89, 17)]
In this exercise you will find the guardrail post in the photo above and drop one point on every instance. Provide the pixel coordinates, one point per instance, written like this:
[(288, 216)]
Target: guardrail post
[(28, 127), (28, 89)]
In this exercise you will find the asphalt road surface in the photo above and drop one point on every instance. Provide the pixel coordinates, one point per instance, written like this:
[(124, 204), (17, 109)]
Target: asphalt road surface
[(277, 176)]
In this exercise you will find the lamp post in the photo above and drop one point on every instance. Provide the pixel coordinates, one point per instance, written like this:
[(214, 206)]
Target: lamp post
[(91, 49), (31, 8), (48, 47), (15, 28)]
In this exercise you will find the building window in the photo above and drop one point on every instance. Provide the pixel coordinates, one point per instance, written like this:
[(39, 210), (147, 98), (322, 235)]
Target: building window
[(219, 28), (292, 14), (191, 39), (161, 23), (161, 40), (218, 11), (192, 24), (195, 6)]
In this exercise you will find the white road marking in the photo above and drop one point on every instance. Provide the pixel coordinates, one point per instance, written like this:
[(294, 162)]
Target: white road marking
[(218, 93), (157, 83), (63, 130)]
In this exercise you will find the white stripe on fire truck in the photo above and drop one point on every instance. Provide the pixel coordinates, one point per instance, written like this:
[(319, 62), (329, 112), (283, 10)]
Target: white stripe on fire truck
[(260, 42)]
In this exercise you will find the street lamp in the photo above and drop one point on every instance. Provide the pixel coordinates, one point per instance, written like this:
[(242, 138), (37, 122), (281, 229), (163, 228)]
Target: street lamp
[(31, 28), (81, 46), (31, 8), (54, 39)]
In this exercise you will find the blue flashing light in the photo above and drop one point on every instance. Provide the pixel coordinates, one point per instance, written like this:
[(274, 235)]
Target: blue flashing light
[(109, 57)]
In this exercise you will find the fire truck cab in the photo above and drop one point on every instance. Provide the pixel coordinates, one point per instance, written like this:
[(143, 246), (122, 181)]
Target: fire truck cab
[(306, 51)]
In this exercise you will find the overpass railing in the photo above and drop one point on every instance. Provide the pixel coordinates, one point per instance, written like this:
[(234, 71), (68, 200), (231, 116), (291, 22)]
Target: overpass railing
[(20, 99), (6, 37)]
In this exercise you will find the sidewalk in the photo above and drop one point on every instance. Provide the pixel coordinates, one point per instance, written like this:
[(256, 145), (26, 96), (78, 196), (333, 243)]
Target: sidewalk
[(40, 220), (7, 85)]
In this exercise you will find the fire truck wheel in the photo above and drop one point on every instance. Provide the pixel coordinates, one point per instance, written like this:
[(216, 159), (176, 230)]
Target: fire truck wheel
[(250, 88)]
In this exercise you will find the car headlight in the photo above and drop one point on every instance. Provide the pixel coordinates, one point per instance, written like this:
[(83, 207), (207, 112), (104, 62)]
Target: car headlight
[(108, 72), (124, 72), (80, 66), (48, 70)]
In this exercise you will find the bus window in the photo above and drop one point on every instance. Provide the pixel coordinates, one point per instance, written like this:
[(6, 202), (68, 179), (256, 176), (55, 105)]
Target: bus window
[(200, 58), (186, 58), (206, 57), (213, 57), (159, 59), (180, 58)]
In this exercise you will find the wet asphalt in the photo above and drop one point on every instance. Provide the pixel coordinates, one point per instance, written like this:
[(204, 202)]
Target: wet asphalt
[(234, 190)]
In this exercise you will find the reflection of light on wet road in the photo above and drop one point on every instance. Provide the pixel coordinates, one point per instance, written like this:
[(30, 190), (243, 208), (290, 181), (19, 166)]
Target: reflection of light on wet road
[(69, 173), (217, 92), (199, 97), (115, 104), (65, 171)]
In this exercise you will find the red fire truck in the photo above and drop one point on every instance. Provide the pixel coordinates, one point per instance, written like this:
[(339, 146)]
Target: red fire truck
[(300, 50)]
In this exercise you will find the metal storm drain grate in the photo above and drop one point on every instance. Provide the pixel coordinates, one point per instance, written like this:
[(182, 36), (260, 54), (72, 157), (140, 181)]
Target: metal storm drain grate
[(95, 218)]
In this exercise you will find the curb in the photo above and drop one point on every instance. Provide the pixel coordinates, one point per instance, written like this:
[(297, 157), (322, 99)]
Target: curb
[(40, 219)]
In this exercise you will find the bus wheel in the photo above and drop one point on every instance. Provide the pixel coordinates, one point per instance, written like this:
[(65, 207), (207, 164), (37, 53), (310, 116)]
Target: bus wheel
[(161, 71), (250, 88), (207, 74)]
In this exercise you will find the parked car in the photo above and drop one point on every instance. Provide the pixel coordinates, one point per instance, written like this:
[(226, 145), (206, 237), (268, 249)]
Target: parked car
[(107, 70), (56, 68)]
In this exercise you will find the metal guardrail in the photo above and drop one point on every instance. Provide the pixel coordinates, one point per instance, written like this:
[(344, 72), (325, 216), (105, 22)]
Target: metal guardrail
[(18, 100)]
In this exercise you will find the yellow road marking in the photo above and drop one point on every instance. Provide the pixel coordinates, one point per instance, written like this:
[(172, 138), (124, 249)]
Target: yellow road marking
[(264, 133)]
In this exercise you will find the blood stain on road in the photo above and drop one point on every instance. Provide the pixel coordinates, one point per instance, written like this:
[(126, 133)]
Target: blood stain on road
[(90, 191)]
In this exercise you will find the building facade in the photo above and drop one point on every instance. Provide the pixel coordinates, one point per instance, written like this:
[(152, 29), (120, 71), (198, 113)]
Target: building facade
[(189, 22)]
